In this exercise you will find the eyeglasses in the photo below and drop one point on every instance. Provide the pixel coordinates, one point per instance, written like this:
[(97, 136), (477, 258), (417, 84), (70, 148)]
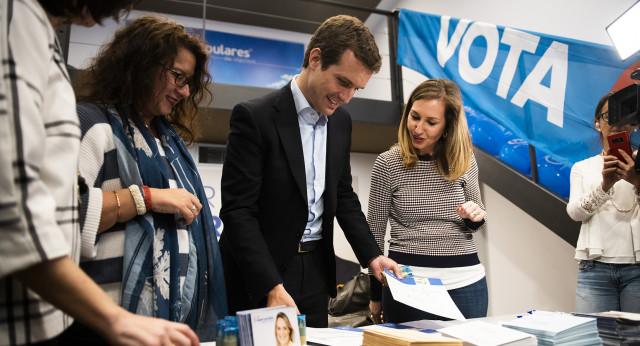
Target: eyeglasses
[(604, 115), (180, 78)]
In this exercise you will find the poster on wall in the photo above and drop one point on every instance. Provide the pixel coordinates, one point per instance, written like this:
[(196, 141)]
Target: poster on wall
[(544, 88), (211, 176), (251, 61)]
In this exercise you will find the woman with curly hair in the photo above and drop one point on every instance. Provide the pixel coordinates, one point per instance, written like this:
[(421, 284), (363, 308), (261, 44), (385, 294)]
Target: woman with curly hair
[(148, 236)]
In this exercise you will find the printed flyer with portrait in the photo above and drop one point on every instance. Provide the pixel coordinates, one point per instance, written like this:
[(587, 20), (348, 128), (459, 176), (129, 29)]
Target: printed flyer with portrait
[(273, 326)]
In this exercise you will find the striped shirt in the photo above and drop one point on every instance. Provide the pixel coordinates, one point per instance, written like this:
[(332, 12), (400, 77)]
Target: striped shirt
[(420, 206), (102, 254), (39, 141)]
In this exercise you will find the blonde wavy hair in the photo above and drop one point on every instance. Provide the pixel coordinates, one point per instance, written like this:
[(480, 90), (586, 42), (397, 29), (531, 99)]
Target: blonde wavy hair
[(454, 149)]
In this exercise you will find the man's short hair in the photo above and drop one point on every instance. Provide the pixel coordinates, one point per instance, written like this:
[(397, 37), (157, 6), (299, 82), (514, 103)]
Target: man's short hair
[(340, 33)]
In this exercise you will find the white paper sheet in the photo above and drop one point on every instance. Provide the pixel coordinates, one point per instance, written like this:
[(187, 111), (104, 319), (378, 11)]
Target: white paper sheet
[(548, 323), (486, 334), (335, 336), (428, 324), (424, 294)]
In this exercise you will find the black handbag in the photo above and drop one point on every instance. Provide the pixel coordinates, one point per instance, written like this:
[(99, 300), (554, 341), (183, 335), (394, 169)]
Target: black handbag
[(350, 307)]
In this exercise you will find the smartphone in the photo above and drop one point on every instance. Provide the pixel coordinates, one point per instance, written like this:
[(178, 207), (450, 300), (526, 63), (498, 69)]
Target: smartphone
[(617, 141)]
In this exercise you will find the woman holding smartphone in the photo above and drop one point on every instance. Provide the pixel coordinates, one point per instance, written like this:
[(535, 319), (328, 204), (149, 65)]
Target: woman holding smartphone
[(604, 197)]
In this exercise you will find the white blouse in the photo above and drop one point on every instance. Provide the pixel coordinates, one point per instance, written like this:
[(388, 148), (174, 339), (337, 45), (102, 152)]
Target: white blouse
[(610, 231)]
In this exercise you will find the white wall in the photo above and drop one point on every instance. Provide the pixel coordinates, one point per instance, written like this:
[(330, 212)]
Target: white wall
[(361, 165), (528, 266), (578, 19)]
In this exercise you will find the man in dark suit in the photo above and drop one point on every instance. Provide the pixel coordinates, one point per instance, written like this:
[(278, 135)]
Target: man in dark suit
[(287, 174)]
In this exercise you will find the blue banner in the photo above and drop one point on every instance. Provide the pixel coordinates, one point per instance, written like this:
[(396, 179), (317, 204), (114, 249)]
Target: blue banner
[(543, 88), (251, 61)]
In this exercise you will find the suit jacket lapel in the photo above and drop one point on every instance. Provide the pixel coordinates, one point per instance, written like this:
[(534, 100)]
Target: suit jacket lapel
[(289, 131)]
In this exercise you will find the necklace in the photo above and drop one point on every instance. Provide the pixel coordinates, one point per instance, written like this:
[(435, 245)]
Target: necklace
[(151, 129), (618, 208)]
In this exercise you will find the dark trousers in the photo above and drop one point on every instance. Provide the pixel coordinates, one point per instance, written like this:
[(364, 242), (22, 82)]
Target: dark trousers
[(304, 281)]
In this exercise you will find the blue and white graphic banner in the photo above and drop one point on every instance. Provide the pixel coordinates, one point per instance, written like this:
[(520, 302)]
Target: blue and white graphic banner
[(252, 61), (543, 88)]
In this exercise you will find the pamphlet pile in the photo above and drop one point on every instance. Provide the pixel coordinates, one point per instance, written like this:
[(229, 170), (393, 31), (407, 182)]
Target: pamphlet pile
[(383, 336), (556, 328), (617, 328)]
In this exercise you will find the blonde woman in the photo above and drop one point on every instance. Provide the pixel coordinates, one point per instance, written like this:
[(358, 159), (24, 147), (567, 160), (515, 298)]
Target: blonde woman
[(426, 186), (284, 330)]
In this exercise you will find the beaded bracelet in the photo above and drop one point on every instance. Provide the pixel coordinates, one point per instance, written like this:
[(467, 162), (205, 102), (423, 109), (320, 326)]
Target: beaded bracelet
[(147, 196), (138, 200)]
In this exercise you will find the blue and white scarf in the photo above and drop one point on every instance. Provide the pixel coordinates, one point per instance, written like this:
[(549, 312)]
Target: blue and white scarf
[(152, 238)]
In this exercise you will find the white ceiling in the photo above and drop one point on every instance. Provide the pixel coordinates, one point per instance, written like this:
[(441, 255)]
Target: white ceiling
[(291, 15)]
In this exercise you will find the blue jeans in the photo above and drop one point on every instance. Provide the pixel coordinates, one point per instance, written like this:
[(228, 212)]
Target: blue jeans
[(604, 287), (472, 301)]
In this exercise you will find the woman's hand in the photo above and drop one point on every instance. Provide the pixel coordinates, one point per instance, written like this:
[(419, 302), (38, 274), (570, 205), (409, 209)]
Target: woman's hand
[(626, 170), (176, 201), (470, 210), (610, 175), (130, 329)]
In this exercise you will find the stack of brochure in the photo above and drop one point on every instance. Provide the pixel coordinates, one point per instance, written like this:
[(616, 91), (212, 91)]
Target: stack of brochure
[(266, 326), (617, 328), (555, 328), (383, 336), (487, 334)]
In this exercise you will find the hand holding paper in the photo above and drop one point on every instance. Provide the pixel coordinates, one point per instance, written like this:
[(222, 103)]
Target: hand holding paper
[(381, 263)]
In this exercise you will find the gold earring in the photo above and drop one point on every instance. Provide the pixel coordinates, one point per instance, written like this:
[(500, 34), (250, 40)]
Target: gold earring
[(444, 135)]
